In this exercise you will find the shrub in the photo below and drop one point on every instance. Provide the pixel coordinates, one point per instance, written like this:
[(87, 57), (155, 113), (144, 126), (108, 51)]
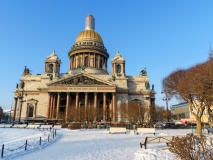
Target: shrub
[(192, 147), (74, 125)]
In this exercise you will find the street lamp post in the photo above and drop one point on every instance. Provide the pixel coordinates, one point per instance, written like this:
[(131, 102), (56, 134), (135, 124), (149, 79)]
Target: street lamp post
[(167, 105)]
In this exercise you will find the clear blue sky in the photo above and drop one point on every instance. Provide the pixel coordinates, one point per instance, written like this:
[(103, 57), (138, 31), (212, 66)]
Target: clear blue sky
[(161, 35)]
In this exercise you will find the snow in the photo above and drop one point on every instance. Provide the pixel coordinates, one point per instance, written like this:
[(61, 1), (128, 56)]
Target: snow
[(93, 144)]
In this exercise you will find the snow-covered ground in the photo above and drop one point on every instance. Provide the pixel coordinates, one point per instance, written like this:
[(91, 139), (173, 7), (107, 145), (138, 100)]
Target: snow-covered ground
[(84, 145)]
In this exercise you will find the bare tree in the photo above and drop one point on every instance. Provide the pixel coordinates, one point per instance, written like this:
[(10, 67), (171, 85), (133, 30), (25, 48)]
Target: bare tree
[(161, 113), (134, 111), (73, 114), (195, 86), (152, 113)]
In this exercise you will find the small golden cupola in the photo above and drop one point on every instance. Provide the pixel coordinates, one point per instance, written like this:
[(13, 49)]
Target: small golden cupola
[(88, 52)]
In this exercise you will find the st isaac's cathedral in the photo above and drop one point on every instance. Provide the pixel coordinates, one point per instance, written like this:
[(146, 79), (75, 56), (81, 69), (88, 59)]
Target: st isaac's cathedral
[(87, 91)]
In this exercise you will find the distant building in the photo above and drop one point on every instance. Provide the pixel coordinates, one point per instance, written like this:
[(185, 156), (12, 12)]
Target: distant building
[(87, 91), (182, 112)]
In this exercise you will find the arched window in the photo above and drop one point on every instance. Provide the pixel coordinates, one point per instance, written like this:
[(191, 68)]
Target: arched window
[(118, 68), (31, 110), (50, 68)]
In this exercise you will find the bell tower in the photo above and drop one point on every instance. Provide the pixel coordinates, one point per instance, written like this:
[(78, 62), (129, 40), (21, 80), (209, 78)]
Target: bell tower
[(52, 65), (118, 65)]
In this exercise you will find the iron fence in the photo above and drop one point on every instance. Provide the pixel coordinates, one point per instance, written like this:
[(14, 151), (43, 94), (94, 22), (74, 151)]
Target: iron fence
[(6, 151)]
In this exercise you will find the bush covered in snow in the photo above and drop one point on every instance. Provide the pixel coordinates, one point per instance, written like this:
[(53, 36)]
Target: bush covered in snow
[(192, 147)]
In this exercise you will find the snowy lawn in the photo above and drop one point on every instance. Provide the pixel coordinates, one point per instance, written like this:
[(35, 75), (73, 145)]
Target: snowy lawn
[(14, 141), (87, 145)]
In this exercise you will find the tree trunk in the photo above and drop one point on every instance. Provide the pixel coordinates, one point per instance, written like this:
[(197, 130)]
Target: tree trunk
[(199, 126)]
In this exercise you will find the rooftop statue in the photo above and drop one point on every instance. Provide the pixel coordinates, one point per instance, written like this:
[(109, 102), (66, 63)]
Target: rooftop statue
[(26, 71), (22, 84), (153, 87), (143, 72)]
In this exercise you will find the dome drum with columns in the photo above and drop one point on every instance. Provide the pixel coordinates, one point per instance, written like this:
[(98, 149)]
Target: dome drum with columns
[(87, 91)]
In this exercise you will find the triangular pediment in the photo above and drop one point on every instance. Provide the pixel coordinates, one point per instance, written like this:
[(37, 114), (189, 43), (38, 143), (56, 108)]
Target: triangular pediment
[(81, 79)]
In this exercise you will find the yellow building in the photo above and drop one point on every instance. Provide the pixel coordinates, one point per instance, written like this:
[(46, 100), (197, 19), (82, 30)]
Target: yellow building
[(182, 113)]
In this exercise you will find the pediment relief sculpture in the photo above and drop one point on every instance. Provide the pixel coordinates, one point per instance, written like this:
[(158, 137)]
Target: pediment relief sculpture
[(78, 80)]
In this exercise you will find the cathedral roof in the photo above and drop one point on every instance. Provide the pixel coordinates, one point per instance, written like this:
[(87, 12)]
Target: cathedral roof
[(89, 35), (89, 40)]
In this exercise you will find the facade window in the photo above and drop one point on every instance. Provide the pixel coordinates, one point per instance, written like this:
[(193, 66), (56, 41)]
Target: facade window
[(31, 110), (50, 68)]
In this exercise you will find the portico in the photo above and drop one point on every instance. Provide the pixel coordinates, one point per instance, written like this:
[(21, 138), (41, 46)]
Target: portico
[(82, 98)]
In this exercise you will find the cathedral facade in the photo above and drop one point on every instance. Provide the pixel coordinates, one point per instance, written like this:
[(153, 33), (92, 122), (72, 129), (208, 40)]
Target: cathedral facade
[(87, 91)]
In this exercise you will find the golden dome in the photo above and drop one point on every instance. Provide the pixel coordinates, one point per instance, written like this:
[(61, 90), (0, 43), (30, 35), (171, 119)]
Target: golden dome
[(89, 35)]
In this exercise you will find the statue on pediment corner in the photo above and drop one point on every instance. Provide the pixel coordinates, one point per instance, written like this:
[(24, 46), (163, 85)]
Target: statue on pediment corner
[(22, 84)]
